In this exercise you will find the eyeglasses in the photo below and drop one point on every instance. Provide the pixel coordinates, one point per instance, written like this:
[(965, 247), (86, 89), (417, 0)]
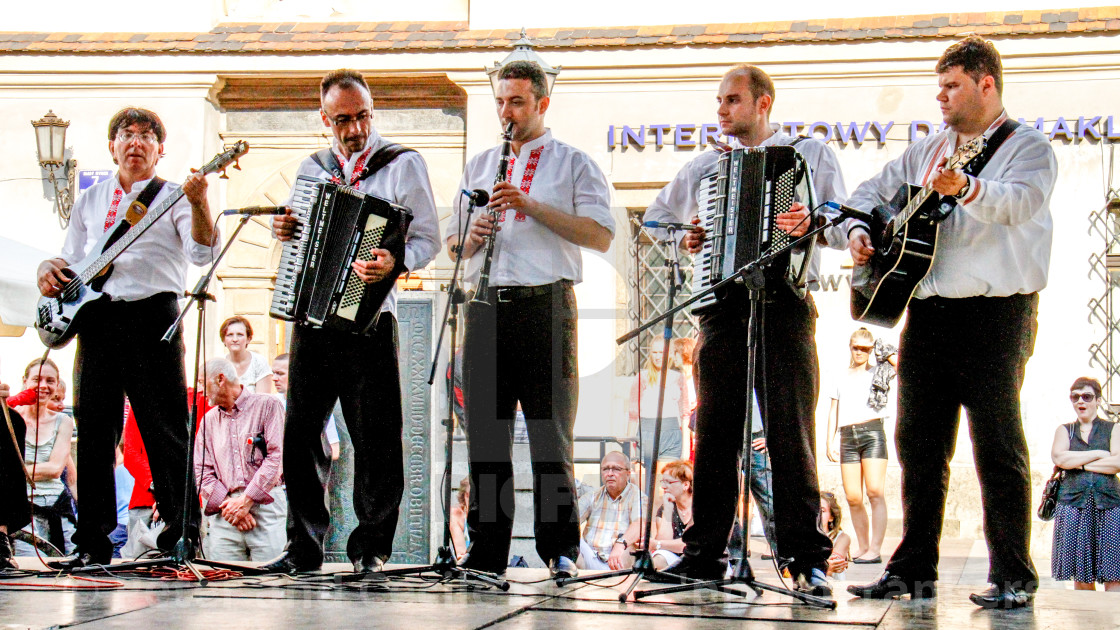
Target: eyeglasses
[(1089, 397), (862, 348), (669, 482), (614, 469), (146, 137), (343, 120)]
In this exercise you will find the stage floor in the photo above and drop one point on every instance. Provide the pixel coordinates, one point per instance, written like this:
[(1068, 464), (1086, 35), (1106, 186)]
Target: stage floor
[(533, 601)]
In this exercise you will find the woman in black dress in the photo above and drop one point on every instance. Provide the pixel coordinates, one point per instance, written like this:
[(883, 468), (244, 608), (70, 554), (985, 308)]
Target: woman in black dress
[(1087, 517)]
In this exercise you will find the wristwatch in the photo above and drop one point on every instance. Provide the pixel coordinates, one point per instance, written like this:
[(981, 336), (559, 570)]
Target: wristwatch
[(621, 539), (964, 189)]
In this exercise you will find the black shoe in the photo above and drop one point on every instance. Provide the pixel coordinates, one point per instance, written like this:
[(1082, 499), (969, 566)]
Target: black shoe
[(890, 586), (875, 560), (690, 568), (1002, 596), (78, 560), (7, 553), (813, 583), (287, 566), (562, 568)]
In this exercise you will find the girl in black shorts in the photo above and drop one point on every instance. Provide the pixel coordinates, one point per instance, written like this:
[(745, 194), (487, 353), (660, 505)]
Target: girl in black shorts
[(858, 440)]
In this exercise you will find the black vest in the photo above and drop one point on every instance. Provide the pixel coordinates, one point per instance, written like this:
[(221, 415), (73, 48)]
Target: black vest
[(1078, 485)]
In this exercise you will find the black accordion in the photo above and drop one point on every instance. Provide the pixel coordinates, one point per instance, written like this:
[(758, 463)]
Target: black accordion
[(336, 225), (738, 205)]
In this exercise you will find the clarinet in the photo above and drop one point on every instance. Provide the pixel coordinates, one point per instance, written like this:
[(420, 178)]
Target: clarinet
[(483, 288)]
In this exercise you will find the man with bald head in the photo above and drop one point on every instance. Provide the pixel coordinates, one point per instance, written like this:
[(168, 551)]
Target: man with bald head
[(787, 374), (360, 371), (613, 515)]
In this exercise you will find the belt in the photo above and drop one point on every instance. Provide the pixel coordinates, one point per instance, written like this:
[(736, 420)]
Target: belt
[(509, 294)]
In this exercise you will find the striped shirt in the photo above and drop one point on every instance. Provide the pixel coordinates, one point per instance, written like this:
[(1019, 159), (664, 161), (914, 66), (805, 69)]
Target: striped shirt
[(227, 460)]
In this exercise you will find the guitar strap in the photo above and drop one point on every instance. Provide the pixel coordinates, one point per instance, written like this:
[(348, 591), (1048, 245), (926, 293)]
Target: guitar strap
[(990, 147), (143, 200), (977, 164)]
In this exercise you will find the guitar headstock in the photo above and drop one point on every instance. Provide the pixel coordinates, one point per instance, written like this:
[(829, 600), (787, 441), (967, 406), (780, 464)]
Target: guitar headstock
[(966, 153), (223, 159)]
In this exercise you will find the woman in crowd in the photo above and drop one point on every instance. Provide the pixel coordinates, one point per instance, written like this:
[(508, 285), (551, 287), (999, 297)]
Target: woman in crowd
[(1087, 517), (460, 539), (675, 514), (830, 518), (643, 407), (46, 452), (857, 438), (681, 350), (252, 369)]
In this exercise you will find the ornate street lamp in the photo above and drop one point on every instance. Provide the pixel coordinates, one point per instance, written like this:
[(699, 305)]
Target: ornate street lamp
[(523, 51), (50, 144)]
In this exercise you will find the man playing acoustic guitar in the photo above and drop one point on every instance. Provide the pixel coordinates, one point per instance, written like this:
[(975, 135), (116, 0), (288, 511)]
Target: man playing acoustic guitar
[(971, 325)]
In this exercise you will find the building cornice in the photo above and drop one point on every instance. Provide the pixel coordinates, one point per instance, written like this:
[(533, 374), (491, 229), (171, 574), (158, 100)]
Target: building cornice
[(416, 37)]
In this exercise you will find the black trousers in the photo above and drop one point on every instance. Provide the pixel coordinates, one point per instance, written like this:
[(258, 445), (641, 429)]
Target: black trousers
[(969, 353), (14, 510), (120, 353), (786, 382), (362, 373), (523, 350)]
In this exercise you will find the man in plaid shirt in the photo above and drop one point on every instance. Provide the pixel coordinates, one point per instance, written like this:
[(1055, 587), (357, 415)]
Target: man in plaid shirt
[(613, 517)]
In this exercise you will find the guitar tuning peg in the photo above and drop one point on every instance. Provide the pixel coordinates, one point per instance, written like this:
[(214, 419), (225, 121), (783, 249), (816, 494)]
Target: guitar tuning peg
[(237, 165), (223, 175)]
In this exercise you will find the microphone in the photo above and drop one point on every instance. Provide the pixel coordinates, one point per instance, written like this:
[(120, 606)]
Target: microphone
[(26, 397), (478, 197), (668, 226), (254, 211), (850, 213)]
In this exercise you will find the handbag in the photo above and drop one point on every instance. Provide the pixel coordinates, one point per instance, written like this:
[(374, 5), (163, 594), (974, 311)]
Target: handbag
[(1050, 490), (1050, 495)]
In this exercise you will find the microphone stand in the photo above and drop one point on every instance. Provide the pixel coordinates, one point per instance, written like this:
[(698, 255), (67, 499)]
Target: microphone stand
[(750, 274), (445, 564), (183, 555), (643, 562)]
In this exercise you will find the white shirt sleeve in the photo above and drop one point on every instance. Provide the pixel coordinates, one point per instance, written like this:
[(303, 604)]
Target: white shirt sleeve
[(422, 242)]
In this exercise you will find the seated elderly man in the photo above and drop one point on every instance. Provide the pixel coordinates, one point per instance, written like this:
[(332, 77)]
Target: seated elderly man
[(612, 517), (237, 462)]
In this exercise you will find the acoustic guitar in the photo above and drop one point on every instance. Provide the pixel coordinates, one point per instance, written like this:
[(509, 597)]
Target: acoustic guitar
[(904, 235)]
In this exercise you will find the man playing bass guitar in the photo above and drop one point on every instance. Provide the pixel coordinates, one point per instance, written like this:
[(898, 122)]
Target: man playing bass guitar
[(119, 346), (971, 325)]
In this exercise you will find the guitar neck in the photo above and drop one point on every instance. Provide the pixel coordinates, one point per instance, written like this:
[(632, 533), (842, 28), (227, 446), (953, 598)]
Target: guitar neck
[(109, 255)]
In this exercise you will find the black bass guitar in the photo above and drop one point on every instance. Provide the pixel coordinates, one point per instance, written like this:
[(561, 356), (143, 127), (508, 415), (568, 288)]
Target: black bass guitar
[(57, 317), (904, 235)]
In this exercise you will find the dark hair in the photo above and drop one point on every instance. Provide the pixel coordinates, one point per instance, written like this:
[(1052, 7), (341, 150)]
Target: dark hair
[(529, 71), (237, 319), (834, 514), (36, 363), (977, 58), (343, 78), (1080, 383), (136, 116), (758, 81)]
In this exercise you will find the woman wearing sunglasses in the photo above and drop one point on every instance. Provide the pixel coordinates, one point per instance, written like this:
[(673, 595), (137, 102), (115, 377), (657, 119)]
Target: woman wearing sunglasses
[(1087, 517), (858, 440)]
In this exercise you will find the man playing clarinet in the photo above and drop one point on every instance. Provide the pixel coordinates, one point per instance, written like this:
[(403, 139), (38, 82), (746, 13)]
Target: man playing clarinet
[(520, 344)]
